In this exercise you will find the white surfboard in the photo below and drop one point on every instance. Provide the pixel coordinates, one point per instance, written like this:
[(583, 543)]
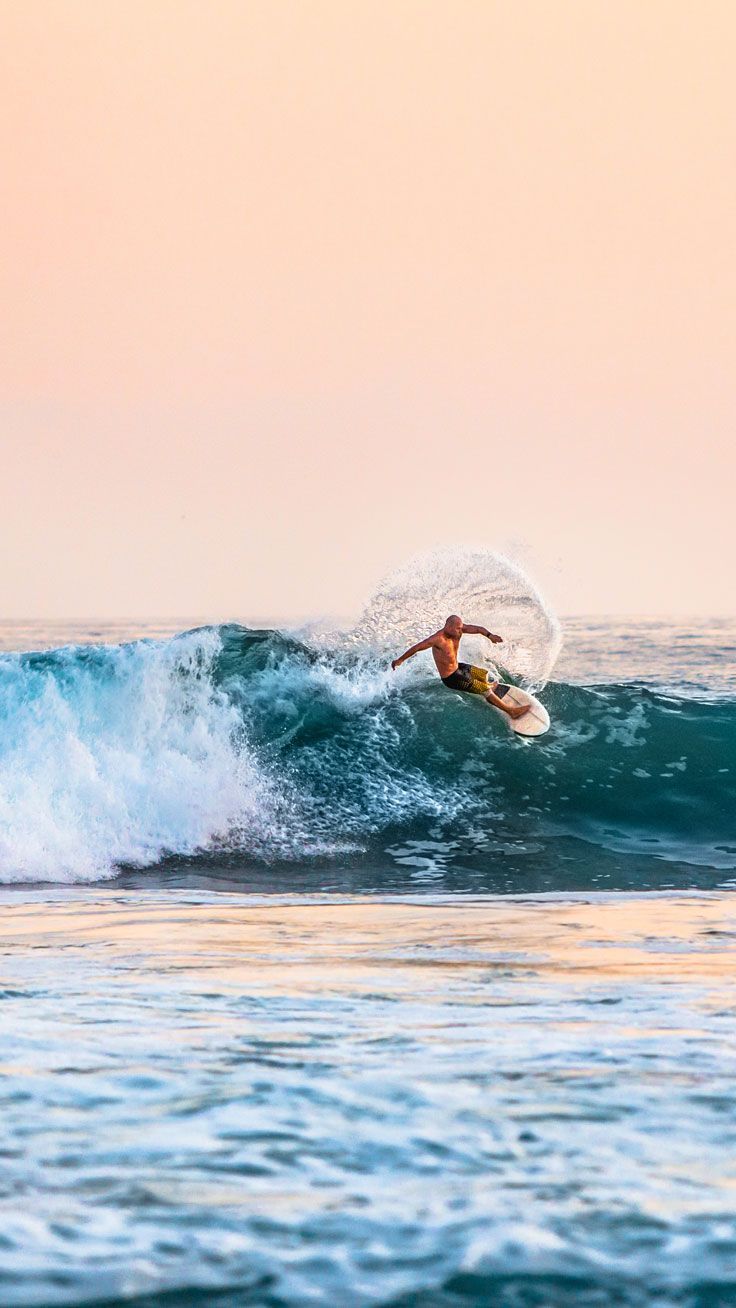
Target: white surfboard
[(532, 723)]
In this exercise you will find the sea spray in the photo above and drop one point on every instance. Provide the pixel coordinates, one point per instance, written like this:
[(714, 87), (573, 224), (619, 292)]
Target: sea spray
[(485, 588)]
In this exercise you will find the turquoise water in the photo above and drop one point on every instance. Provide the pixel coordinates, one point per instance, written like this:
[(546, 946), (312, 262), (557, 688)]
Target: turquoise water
[(262, 758), (318, 987)]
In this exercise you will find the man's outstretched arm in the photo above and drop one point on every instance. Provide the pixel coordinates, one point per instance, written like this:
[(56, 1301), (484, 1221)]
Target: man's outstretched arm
[(413, 649), (470, 630)]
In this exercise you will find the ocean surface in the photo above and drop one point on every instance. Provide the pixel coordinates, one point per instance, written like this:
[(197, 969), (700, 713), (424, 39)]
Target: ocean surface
[(318, 986)]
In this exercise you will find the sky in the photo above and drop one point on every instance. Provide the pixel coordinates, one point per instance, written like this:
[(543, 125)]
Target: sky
[(292, 289)]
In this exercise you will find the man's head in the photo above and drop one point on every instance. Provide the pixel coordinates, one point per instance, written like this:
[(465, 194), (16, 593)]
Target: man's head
[(454, 626)]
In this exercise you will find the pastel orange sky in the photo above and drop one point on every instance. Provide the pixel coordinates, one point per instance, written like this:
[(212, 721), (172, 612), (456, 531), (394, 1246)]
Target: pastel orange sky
[(294, 288)]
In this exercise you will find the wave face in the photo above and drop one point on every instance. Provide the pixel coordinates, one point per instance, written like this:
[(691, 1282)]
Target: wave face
[(244, 750)]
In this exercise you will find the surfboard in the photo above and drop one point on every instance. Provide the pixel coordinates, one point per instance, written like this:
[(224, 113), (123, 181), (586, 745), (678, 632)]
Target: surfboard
[(532, 723)]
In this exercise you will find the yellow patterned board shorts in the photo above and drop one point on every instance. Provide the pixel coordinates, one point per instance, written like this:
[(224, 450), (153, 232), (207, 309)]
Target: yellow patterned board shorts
[(474, 681)]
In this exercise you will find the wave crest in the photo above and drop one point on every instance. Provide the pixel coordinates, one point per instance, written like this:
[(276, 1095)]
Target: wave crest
[(116, 755)]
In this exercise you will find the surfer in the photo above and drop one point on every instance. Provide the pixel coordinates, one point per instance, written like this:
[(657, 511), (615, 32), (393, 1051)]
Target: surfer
[(461, 676)]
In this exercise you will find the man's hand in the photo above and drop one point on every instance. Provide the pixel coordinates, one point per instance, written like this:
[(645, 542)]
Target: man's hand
[(496, 640), (394, 664)]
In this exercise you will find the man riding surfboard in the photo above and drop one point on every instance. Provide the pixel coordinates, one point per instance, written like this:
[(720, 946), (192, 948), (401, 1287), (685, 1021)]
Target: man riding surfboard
[(461, 676)]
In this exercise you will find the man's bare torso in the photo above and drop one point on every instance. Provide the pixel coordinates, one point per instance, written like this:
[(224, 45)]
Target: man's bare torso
[(444, 652), (444, 644)]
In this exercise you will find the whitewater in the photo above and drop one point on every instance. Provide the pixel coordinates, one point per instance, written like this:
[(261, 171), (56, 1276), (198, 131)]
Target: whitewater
[(275, 753)]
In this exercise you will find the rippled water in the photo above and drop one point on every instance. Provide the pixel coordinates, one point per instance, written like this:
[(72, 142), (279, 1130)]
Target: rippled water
[(423, 1102)]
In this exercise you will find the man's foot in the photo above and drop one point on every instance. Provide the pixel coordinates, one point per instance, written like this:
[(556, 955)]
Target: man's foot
[(517, 710)]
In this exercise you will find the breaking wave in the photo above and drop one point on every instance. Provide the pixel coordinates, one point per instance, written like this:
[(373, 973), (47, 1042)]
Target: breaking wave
[(283, 747)]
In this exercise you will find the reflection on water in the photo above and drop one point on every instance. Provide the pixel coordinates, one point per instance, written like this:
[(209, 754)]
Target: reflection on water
[(421, 1101)]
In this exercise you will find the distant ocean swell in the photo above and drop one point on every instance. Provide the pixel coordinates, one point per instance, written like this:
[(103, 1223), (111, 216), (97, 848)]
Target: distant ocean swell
[(286, 749)]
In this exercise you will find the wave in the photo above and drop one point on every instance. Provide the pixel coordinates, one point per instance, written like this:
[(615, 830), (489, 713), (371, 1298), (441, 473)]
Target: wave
[(277, 748)]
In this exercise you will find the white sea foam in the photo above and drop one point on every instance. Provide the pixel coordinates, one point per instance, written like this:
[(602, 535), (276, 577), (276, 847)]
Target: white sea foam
[(118, 754)]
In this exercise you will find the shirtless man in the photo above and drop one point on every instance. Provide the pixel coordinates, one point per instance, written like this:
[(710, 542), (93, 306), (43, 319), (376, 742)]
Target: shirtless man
[(461, 676)]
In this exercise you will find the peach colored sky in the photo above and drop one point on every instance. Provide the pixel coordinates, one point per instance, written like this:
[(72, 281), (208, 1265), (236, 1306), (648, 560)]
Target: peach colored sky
[(293, 288)]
